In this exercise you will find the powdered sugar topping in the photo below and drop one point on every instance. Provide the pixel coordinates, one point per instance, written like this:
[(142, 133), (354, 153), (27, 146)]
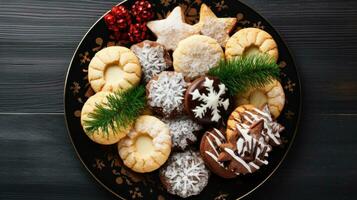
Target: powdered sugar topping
[(215, 29), (186, 174), (152, 59), (167, 92), (182, 131)]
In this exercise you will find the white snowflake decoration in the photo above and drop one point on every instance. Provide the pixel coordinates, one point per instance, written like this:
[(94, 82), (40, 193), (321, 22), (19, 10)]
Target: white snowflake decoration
[(167, 92), (152, 60), (213, 100), (182, 129), (186, 174)]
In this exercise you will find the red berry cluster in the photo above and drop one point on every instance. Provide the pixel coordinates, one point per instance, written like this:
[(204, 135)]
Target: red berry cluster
[(130, 25)]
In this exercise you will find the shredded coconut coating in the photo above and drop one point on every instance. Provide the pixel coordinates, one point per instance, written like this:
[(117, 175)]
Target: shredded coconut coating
[(182, 131), (167, 92), (185, 174), (152, 59)]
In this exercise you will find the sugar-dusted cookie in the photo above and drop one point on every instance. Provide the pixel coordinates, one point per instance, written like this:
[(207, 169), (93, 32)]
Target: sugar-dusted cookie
[(214, 27), (165, 93), (250, 41), (197, 54), (210, 150), (172, 30), (183, 132), (184, 174), (206, 100), (153, 58), (272, 94), (100, 136), (114, 68), (147, 146)]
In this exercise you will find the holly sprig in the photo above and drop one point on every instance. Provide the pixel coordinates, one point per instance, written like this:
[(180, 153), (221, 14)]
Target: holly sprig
[(241, 73), (121, 110)]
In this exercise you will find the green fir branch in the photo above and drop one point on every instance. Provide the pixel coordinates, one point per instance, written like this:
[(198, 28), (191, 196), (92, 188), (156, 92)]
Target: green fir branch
[(121, 110), (242, 73)]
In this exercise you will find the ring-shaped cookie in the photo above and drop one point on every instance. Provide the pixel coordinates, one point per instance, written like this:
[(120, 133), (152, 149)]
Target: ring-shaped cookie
[(251, 41), (272, 94), (100, 136), (114, 68), (147, 146)]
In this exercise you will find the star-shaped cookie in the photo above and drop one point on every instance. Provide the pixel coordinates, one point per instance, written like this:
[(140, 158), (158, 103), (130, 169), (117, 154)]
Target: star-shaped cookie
[(214, 27), (172, 30)]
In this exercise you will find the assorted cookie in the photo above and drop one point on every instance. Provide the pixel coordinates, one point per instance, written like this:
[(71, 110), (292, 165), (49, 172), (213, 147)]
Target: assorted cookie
[(165, 94), (197, 54), (210, 151), (172, 30), (100, 136), (207, 100), (114, 68), (147, 146), (183, 131), (184, 174), (181, 107), (153, 58), (272, 94), (214, 27), (251, 41)]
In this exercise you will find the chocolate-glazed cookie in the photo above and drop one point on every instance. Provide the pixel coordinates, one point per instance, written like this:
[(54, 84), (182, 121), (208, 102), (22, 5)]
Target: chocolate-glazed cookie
[(206, 100), (210, 150)]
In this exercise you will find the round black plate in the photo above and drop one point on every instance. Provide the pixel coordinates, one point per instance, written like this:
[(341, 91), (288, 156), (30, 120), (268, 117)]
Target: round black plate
[(103, 162)]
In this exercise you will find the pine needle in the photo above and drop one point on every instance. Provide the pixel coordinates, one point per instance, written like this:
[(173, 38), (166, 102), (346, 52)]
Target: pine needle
[(242, 73), (119, 112)]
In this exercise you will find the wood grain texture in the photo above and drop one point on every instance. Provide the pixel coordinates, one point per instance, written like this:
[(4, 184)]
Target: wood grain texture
[(38, 38)]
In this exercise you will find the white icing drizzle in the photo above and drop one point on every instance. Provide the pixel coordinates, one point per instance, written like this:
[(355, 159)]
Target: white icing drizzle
[(152, 59), (182, 129), (213, 100), (241, 161), (186, 174), (167, 92)]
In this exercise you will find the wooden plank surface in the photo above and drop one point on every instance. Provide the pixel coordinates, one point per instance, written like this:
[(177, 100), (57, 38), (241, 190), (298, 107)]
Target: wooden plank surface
[(38, 38)]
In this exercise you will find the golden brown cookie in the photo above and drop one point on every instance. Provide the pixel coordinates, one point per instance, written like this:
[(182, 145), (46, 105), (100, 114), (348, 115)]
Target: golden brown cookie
[(100, 136), (114, 68), (197, 54), (272, 94), (251, 41), (147, 146), (214, 27)]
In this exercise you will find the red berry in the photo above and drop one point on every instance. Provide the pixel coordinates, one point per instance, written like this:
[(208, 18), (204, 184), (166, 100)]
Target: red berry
[(109, 19), (138, 32), (142, 11)]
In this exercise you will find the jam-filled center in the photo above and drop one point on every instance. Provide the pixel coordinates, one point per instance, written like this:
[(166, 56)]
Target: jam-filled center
[(144, 145), (113, 73), (251, 51)]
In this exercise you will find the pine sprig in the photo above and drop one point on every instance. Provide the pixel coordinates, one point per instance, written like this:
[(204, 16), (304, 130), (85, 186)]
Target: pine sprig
[(242, 73), (119, 112)]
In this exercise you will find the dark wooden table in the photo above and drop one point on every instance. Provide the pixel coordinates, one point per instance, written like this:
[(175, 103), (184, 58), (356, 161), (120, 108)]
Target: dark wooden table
[(38, 38)]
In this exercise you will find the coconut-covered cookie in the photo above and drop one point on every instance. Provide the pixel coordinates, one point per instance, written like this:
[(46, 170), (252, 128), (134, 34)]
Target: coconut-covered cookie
[(153, 58), (165, 93), (210, 150), (214, 27), (183, 132), (251, 41), (184, 174), (114, 68), (172, 30), (147, 146), (272, 94), (197, 54), (206, 100), (100, 136)]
